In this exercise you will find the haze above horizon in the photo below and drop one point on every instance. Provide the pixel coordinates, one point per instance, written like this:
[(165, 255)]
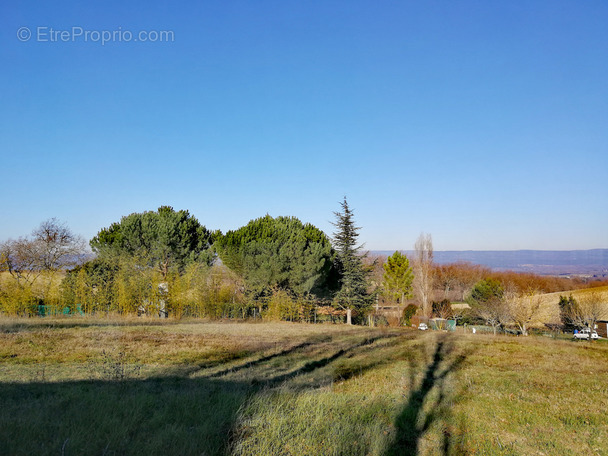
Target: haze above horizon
[(482, 123)]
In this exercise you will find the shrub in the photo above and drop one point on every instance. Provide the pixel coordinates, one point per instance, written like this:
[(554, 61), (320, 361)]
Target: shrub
[(408, 313)]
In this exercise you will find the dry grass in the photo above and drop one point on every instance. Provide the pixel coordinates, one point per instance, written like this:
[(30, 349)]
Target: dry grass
[(62, 345), (550, 301), (536, 396), (262, 389)]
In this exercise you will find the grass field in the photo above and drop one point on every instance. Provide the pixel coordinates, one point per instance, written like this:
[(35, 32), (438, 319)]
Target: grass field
[(78, 386), (550, 301)]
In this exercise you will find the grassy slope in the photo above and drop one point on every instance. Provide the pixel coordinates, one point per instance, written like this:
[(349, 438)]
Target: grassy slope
[(550, 301), (251, 389)]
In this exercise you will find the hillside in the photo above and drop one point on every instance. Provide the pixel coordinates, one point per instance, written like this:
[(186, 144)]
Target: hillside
[(550, 301)]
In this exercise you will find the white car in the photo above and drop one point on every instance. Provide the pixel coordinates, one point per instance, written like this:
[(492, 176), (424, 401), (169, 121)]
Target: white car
[(423, 327), (585, 333)]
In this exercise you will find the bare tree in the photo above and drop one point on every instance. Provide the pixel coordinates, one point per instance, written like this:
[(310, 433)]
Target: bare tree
[(19, 258), (493, 312), (443, 309), (423, 272), (446, 279), (51, 247), (591, 307), (524, 310)]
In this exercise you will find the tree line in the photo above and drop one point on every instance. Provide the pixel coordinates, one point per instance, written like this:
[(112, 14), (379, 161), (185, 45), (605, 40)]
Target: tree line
[(165, 262), (502, 306)]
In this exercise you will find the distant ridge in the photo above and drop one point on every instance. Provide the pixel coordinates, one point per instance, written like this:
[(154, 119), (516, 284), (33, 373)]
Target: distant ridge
[(555, 262)]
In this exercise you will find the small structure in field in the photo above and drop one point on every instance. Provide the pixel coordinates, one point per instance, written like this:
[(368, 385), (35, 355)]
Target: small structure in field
[(460, 306), (602, 328)]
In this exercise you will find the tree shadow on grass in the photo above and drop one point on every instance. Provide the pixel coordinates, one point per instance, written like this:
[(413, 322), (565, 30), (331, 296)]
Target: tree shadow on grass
[(322, 362), (428, 403), (169, 415), (248, 364), (173, 414)]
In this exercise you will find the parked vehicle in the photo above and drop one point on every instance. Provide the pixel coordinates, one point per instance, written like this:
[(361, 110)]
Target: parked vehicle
[(423, 327), (585, 333)]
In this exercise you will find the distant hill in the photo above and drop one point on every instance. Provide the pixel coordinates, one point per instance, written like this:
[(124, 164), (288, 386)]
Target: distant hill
[(555, 262)]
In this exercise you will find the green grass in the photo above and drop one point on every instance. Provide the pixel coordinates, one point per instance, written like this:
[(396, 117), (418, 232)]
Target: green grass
[(107, 387)]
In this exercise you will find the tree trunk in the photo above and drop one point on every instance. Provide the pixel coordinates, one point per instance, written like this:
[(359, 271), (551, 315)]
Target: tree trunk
[(349, 313)]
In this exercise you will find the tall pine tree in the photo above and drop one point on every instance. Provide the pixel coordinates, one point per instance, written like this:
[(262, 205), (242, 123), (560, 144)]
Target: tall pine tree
[(354, 290)]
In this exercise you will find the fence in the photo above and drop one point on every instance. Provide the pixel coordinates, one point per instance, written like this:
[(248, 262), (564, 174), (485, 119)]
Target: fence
[(52, 311)]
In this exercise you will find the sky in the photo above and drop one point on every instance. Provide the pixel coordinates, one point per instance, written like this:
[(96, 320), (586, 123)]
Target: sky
[(482, 123)]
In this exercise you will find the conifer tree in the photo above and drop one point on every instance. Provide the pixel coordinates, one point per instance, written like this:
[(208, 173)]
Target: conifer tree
[(398, 277), (279, 253), (567, 308), (166, 239), (353, 293)]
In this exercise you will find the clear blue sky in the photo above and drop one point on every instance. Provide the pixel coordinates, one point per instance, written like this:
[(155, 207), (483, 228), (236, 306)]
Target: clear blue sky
[(484, 123)]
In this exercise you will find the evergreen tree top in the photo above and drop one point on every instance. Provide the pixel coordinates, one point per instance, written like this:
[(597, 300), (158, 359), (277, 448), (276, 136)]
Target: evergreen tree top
[(346, 234), (354, 285)]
